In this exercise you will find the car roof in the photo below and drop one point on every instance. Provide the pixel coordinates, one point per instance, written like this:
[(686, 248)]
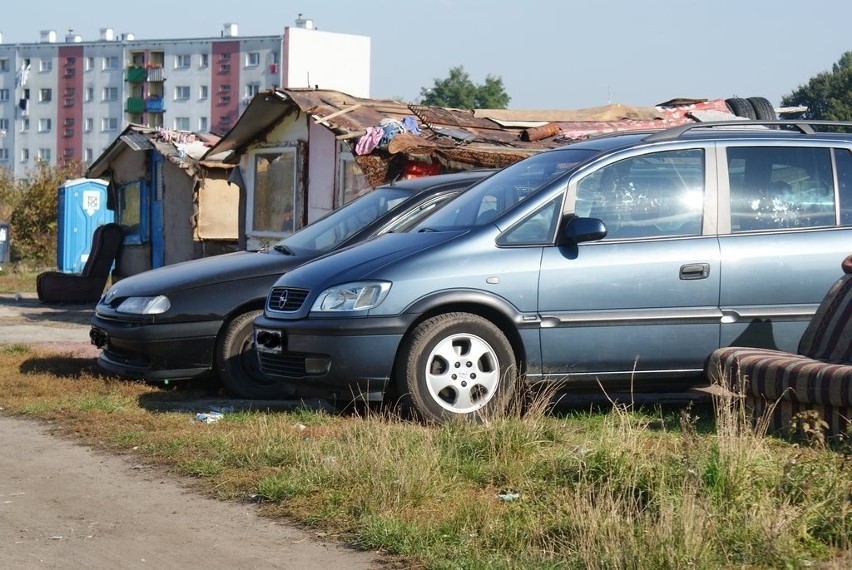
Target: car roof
[(722, 130), (426, 182)]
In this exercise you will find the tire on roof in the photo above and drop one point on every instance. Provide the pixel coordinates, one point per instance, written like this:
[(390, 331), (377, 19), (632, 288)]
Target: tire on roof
[(741, 107), (763, 109)]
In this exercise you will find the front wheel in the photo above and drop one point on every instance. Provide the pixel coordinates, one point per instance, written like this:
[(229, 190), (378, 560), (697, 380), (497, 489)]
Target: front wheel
[(237, 365), (456, 365)]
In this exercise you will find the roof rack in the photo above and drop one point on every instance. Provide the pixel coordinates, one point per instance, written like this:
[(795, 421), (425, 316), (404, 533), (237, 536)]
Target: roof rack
[(804, 127)]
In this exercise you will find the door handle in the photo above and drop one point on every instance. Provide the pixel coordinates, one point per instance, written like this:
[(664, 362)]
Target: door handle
[(692, 271)]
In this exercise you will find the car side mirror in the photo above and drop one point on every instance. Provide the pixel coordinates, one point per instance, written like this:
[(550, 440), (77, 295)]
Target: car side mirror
[(579, 230)]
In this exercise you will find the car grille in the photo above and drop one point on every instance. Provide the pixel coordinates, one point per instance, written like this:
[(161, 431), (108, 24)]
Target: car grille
[(286, 299), (282, 365)]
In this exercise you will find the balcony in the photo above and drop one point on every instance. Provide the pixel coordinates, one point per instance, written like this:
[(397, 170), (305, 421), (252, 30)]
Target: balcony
[(136, 105), (156, 74), (154, 105), (136, 74)]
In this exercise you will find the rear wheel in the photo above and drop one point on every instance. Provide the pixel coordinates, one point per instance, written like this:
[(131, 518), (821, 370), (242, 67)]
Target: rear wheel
[(237, 365), (456, 365), (741, 107)]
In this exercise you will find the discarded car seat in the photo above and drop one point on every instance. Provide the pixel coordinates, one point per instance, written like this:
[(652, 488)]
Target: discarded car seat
[(88, 285), (818, 377)]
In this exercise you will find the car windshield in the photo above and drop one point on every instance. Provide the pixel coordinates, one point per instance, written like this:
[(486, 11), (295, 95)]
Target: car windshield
[(506, 188), (324, 234)]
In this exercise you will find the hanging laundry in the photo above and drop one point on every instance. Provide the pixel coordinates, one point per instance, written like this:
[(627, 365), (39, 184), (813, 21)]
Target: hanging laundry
[(369, 141), (409, 123), (391, 128)]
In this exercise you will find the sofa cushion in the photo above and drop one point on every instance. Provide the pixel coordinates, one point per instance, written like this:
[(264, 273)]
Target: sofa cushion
[(777, 375), (829, 333)]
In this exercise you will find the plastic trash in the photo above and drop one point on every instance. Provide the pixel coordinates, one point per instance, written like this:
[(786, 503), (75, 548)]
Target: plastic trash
[(506, 497), (209, 417)]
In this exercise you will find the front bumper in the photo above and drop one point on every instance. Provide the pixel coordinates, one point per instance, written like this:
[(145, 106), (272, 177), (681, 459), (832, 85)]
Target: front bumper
[(347, 357), (162, 351)]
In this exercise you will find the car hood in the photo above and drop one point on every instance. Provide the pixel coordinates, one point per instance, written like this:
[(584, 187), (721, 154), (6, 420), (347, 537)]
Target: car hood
[(208, 271), (363, 260)]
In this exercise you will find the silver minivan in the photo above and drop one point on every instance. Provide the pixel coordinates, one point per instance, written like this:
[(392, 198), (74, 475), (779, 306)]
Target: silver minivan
[(618, 261)]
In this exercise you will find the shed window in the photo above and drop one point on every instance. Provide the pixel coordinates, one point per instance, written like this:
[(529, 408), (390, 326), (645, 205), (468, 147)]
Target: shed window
[(275, 187)]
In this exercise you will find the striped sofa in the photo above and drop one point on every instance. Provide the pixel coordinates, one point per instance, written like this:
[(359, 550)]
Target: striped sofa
[(818, 377)]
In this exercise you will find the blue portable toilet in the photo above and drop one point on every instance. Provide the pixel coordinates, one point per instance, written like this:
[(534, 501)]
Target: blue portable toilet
[(82, 208)]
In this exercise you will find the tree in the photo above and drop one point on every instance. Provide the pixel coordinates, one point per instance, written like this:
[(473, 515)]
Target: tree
[(34, 211), (828, 95), (459, 92)]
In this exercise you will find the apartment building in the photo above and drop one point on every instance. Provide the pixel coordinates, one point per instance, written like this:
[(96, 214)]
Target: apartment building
[(64, 101)]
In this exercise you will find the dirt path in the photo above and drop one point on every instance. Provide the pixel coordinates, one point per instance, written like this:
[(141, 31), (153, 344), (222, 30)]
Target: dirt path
[(63, 505)]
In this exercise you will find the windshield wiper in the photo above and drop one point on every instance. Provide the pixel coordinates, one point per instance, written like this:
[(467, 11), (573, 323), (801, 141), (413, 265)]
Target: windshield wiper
[(421, 230), (281, 248)]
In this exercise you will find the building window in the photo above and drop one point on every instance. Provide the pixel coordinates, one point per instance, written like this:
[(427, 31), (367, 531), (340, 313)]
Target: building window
[(225, 100), (88, 154), (4, 154), (4, 125), (45, 95), (44, 154), (181, 92), (4, 94), (205, 59), (89, 124), (203, 125), (252, 89), (25, 155), (4, 64), (181, 123), (203, 92), (273, 205), (252, 59), (89, 64), (25, 125), (69, 91), (224, 56), (45, 65), (44, 125), (182, 61), (111, 62), (109, 124), (224, 68), (90, 94), (109, 94), (69, 133), (224, 89)]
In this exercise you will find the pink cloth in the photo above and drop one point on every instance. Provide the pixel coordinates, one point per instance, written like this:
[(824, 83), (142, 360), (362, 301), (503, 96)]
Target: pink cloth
[(369, 140)]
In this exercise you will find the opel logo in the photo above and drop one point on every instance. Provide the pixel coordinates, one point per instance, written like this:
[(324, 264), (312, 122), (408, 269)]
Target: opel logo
[(282, 300)]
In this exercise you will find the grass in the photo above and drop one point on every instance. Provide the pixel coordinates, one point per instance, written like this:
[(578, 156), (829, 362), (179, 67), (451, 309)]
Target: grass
[(621, 488), (17, 278)]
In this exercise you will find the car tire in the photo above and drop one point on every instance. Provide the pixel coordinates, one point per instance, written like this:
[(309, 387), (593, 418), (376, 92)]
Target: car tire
[(763, 109), (456, 366), (741, 108), (237, 365)]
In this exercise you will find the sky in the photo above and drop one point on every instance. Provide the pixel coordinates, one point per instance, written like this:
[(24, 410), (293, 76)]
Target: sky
[(550, 54)]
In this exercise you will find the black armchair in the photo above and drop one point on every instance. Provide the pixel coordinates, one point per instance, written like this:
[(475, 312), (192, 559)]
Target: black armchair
[(88, 285)]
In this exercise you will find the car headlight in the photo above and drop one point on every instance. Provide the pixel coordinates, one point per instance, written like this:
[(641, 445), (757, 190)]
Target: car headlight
[(144, 305), (360, 296)]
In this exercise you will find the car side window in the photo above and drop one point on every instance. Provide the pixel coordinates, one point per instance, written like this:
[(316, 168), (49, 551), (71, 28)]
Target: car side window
[(652, 195), (780, 188), (843, 160), (537, 229)]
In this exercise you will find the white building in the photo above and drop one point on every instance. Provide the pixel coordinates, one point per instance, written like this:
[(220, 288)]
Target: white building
[(63, 101)]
